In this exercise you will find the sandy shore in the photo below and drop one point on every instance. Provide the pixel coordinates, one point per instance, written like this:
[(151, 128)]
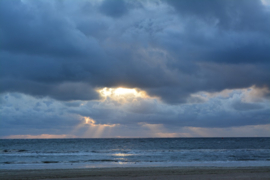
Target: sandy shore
[(157, 173)]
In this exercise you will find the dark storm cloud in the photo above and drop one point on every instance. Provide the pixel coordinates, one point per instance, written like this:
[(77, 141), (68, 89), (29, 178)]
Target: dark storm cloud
[(114, 8), (242, 29), (63, 91), (39, 30), (171, 49), (241, 15)]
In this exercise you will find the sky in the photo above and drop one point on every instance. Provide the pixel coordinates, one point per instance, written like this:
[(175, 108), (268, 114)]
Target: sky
[(140, 68)]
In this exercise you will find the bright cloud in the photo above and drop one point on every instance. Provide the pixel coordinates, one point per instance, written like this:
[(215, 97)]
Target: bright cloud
[(42, 136), (122, 95)]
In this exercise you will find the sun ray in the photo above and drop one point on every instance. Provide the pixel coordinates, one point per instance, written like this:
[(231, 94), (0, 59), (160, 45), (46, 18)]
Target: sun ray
[(94, 130), (155, 129)]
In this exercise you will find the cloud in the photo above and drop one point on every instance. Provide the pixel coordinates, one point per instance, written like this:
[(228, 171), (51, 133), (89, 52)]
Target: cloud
[(114, 8), (184, 55), (230, 14), (42, 31), (23, 114), (246, 106), (42, 136), (170, 54)]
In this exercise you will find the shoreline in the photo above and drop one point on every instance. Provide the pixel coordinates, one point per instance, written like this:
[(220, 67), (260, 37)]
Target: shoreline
[(206, 164), (140, 173)]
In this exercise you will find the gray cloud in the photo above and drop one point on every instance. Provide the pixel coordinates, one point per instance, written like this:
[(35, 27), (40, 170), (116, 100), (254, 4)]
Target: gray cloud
[(65, 50), (246, 106), (169, 55), (21, 114), (242, 15), (38, 29), (114, 8)]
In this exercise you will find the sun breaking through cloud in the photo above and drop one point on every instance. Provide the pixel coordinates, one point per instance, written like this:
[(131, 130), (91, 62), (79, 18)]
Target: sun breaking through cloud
[(122, 95)]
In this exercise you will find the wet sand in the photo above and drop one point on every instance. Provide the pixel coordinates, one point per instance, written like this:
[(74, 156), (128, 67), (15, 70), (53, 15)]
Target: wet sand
[(151, 173)]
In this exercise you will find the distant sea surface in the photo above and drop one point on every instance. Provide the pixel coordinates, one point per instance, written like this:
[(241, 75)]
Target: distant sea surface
[(85, 153)]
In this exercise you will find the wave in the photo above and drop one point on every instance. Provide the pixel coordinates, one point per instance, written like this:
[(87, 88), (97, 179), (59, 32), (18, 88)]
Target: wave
[(47, 162), (134, 152), (13, 150)]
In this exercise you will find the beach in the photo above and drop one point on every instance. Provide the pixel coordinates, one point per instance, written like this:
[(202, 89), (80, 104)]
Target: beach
[(138, 173)]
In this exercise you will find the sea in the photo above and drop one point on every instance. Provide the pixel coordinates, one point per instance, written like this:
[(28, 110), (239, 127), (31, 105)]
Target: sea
[(137, 152)]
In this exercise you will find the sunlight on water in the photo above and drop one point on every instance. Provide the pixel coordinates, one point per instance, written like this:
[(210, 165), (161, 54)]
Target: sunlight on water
[(122, 154)]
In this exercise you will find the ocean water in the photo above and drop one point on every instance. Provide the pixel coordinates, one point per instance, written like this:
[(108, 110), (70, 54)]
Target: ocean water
[(85, 153)]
